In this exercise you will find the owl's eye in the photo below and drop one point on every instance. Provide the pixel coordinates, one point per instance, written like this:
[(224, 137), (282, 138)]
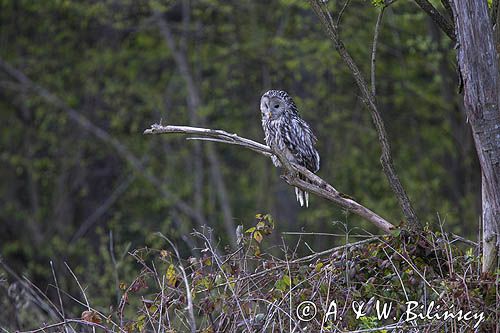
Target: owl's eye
[(276, 106)]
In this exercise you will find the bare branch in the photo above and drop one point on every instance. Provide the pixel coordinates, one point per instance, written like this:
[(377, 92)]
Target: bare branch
[(344, 7), (192, 321), (58, 291), (338, 248), (310, 182), (36, 296), (219, 135), (370, 101), (65, 322), (439, 19), (374, 49)]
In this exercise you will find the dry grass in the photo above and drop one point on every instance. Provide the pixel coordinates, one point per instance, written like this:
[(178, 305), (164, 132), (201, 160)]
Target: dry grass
[(249, 290)]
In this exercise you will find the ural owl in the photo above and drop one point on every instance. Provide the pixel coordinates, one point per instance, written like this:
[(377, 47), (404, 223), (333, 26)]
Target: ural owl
[(284, 128)]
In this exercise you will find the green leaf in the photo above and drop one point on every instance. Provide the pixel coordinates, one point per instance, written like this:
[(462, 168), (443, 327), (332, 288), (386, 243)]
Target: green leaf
[(171, 276), (283, 284), (287, 280), (318, 267)]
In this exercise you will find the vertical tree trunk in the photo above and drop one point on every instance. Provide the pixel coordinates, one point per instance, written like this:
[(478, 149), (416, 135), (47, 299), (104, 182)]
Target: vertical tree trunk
[(477, 59)]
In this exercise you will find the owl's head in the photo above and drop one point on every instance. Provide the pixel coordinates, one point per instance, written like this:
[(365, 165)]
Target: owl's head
[(276, 103)]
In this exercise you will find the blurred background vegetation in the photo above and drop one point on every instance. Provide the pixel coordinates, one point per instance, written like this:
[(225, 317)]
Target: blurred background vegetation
[(86, 190)]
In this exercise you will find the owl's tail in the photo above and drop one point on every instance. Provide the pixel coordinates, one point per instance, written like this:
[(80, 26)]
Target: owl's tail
[(302, 197)]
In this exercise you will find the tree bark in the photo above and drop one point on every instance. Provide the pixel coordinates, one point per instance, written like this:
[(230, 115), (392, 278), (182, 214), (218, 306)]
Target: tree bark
[(477, 59)]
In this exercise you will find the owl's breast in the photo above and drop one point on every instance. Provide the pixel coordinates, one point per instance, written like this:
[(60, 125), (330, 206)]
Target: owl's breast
[(272, 131)]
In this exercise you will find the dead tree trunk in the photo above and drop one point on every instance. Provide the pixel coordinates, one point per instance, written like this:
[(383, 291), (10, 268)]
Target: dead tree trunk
[(477, 59)]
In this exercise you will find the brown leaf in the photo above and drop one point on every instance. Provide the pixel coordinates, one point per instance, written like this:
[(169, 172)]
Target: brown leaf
[(164, 254), (257, 252), (257, 236), (91, 316)]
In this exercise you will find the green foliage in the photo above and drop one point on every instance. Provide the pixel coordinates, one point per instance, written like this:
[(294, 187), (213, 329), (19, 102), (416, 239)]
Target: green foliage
[(109, 62)]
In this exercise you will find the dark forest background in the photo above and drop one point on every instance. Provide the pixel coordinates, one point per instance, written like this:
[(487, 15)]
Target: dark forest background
[(81, 80)]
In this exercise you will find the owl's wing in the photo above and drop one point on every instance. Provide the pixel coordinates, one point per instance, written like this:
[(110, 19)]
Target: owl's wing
[(299, 139)]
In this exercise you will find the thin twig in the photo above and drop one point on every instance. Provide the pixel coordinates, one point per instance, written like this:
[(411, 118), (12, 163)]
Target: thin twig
[(76, 321), (344, 7), (160, 317), (321, 234), (219, 135), (192, 321), (34, 292), (209, 246), (395, 269), (374, 49), (115, 265), (81, 289), (148, 314), (58, 291), (459, 238), (323, 253), (102, 315), (412, 265)]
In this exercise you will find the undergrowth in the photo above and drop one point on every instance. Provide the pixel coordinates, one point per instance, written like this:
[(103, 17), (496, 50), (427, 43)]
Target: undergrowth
[(365, 286)]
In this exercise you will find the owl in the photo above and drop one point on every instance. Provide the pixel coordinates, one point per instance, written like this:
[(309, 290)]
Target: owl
[(284, 128)]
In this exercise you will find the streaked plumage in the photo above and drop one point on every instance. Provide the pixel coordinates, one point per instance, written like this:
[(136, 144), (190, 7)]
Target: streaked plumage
[(284, 128)]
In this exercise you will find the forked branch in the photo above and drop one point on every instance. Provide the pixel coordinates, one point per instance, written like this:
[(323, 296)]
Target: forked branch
[(312, 183)]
